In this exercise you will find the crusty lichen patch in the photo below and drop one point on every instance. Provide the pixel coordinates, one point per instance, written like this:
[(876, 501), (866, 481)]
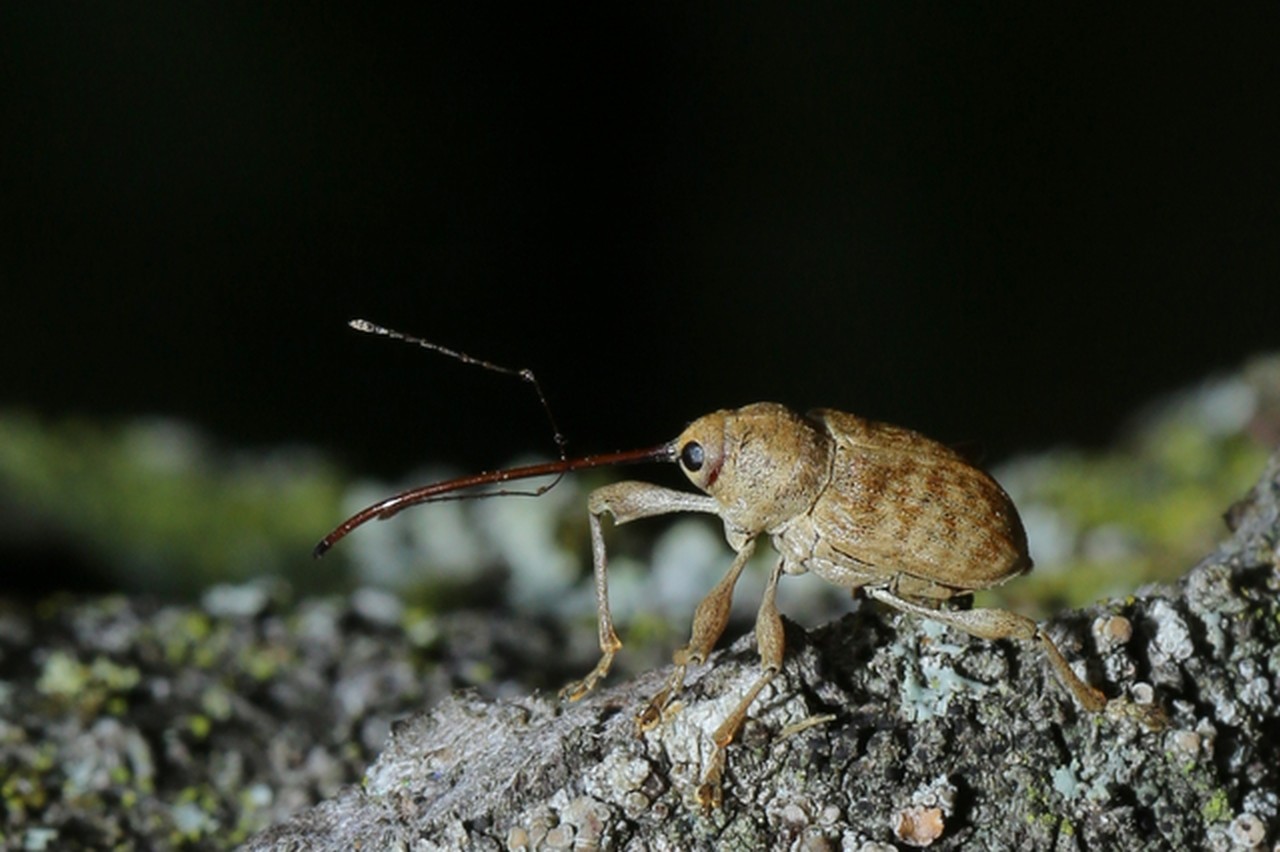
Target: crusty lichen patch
[(132, 726)]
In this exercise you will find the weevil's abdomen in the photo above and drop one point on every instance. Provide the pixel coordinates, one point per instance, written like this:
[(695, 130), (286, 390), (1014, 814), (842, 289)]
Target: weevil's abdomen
[(899, 505)]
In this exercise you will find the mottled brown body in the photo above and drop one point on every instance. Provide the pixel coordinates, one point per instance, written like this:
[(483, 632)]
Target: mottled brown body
[(858, 502), (864, 505), (898, 505)]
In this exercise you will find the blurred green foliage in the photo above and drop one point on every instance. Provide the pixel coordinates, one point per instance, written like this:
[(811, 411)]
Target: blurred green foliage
[(166, 512), (1102, 524), (171, 514)]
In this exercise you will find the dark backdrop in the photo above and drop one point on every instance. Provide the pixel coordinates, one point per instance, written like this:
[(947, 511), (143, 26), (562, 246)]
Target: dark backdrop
[(998, 225)]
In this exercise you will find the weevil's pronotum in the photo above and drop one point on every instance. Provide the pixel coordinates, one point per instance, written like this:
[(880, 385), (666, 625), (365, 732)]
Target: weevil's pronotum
[(870, 507)]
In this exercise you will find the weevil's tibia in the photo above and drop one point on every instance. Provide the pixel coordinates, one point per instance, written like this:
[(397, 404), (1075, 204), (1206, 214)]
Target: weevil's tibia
[(626, 502), (771, 641), (709, 622)]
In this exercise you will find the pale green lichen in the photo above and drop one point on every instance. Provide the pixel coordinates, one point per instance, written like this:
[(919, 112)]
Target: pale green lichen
[(1217, 808), (90, 687), (930, 681), (1066, 782)]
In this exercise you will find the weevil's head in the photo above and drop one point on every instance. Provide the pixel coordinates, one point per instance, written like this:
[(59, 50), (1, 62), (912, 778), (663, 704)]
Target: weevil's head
[(763, 463)]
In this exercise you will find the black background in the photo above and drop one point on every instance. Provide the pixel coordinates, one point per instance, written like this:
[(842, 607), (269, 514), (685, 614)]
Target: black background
[(998, 225)]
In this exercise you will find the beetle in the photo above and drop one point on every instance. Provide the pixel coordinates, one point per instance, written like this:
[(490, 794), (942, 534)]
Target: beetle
[(873, 508)]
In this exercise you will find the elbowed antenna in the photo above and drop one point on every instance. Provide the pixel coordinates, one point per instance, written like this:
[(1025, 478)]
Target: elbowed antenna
[(442, 490), (524, 375)]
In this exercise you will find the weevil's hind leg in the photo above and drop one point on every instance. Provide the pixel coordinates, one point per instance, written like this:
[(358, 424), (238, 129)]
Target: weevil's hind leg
[(626, 501), (999, 624), (771, 640), (709, 621)]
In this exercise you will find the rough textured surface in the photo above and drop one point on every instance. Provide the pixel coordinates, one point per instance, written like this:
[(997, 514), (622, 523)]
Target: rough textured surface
[(126, 725), (882, 732)]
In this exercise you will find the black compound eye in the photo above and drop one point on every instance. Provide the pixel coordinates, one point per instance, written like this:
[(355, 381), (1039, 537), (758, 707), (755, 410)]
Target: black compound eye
[(692, 456)]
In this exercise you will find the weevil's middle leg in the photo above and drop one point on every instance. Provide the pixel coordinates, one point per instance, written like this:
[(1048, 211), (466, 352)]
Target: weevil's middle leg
[(626, 501), (709, 621), (771, 640)]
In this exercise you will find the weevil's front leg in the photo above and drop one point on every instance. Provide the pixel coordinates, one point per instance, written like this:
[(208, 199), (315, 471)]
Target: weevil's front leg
[(771, 640), (709, 621), (625, 501)]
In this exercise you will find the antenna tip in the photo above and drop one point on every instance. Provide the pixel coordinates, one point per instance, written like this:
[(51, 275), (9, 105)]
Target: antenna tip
[(363, 325), (320, 549)]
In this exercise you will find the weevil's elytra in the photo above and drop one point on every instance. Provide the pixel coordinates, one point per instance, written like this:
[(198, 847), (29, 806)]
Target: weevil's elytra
[(867, 506), (904, 505)]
